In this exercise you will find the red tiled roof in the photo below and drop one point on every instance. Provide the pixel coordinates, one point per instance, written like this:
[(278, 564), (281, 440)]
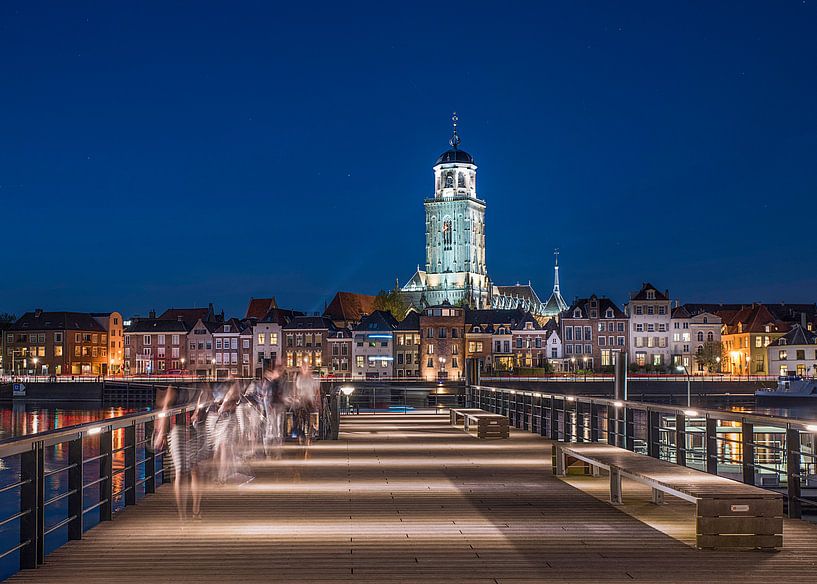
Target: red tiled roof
[(259, 307), (348, 306)]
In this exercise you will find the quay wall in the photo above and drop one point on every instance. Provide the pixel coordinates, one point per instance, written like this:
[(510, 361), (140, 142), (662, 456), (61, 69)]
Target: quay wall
[(637, 388)]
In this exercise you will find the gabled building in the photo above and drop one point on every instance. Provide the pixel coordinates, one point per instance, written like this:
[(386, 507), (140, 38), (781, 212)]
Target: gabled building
[(305, 341), (555, 350), (489, 336), (113, 324), (745, 335), (529, 342), (56, 343), (268, 338), (373, 347), (155, 347), (339, 349), (407, 346), (594, 329), (795, 353), (649, 311), (201, 355), (442, 343), (189, 316), (692, 332), (230, 354), (258, 308)]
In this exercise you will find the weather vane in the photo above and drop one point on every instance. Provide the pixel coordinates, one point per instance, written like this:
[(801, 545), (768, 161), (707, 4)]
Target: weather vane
[(455, 138)]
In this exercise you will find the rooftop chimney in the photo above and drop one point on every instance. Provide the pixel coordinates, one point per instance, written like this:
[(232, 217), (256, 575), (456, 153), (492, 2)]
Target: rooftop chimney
[(152, 314), (38, 312)]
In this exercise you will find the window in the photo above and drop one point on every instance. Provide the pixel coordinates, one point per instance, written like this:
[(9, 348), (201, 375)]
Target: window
[(639, 310), (568, 349), (454, 333), (663, 310), (519, 342), (245, 343), (758, 341), (568, 333), (650, 294), (174, 352), (700, 336), (587, 334), (639, 328), (620, 327), (58, 351), (430, 362), (685, 337), (57, 337), (801, 354), (233, 344), (554, 353), (430, 333), (430, 349), (218, 343), (602, 341), (161, 339), (710, 336), (620, 341), (676, 338), (442, 332), (146, 340), (261, 338), (78, 338), (609, 313)]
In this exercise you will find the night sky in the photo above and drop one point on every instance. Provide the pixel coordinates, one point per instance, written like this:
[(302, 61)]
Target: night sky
[(170, 154)]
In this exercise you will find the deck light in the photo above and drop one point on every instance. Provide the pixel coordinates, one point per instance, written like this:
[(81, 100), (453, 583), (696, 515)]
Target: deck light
[(618, 404), (690, 413), (93, 431), (347, 389), (571, 398), (812, 427)]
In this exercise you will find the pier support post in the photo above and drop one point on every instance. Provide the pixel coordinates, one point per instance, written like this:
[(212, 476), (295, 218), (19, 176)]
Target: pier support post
[(654, 434), (31, 503), (711, 445), (129, 485), (106, 474), (615, 486), (680, 439), (595, 430)]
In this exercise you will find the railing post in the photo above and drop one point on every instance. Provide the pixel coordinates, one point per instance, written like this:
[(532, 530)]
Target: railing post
[(106, 474), (595, 430), (31, 500), (680, 439), (747, 435), (150, 459), (554, 419), (566, 435), (612, 430), (629, 429), (795, 508), (129, 486), (711, 446), (75, 483), (654, 433)]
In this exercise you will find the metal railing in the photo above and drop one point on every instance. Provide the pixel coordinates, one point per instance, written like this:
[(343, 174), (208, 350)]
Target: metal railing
[(766, 451), (128, 435)]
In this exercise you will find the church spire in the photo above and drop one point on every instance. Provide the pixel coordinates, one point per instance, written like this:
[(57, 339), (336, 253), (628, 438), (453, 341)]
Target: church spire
[(455, 138), (556, 272)]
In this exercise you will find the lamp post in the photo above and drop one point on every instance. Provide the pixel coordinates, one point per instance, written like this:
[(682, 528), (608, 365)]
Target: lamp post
[(748, 368), (34, 361), (573, 364), (585, 367), (689, 383), (442, 368), (718, 361), (182, 362), (348, 390)]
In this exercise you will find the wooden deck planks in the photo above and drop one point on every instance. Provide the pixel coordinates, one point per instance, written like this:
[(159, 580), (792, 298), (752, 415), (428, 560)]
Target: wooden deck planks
[(410, 499)]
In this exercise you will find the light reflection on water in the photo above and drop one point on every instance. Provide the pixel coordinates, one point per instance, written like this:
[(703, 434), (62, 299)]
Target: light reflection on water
[(22, 419)]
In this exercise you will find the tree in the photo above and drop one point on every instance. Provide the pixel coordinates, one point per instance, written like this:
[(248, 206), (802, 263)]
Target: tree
[(709, 355), (391, 301), (7, 317)]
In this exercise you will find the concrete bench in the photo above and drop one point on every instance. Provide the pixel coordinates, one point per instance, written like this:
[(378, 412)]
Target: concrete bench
[(486, 424), (729, 514)]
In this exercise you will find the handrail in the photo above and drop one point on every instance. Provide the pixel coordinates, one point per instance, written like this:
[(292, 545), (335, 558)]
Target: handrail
[(20, 444), (765, 419)]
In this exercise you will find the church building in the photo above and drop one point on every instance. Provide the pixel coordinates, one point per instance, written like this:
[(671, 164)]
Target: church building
[(455, 270)]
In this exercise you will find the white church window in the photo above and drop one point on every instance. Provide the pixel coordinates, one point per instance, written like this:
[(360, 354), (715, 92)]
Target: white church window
[(449, 181)]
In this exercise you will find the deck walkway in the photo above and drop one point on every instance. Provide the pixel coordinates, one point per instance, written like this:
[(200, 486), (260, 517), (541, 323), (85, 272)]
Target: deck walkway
[(410, 499)]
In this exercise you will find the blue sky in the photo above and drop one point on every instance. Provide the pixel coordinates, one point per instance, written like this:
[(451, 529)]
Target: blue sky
[(158, 154)]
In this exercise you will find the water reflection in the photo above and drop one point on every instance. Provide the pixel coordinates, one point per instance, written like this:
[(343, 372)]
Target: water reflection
[(22, 419)]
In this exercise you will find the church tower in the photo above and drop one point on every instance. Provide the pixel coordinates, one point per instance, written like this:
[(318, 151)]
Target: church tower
[(455, 231)]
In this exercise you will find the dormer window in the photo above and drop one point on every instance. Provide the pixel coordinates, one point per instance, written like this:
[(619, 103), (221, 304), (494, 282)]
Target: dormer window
[(650, 294), (782, 341), (477, 329), (577, 313), (609, 313), (501, 330)]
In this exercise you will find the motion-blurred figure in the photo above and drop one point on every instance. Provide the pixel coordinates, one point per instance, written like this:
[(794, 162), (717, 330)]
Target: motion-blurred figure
[(306, 396), (274, 400)]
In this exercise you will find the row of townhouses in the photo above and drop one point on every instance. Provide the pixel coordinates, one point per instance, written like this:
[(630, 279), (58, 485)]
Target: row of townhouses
[(352, 339)]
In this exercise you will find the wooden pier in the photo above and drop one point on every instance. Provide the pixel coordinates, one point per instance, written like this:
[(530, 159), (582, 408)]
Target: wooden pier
[(408, 498)]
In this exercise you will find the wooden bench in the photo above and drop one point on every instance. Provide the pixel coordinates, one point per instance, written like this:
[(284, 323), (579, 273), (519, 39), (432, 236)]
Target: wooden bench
[(486, 424), (729, 514)]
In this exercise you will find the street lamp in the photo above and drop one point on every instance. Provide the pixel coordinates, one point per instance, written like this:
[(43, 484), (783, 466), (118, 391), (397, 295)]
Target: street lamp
[(718, 361), (585, 367), (34, 362), (573, 364), (683, 368), (347, 390), (182, 362)]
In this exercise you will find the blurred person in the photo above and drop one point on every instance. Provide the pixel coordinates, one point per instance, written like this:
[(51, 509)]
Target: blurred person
[(274, 400)]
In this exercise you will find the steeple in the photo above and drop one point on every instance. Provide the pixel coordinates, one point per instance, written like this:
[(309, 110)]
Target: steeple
[(555, 303)]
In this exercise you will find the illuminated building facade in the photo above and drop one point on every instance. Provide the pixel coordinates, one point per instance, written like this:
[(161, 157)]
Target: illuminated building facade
[(649, 311), (442, 343), (373, 346)]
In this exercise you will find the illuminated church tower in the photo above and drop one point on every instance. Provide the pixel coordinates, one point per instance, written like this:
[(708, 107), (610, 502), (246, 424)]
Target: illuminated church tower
[(455, 236)]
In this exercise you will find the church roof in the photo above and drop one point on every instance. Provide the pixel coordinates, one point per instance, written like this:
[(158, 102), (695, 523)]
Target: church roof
[(417, 281), (555, 304), (525, 291), (455, 155)]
